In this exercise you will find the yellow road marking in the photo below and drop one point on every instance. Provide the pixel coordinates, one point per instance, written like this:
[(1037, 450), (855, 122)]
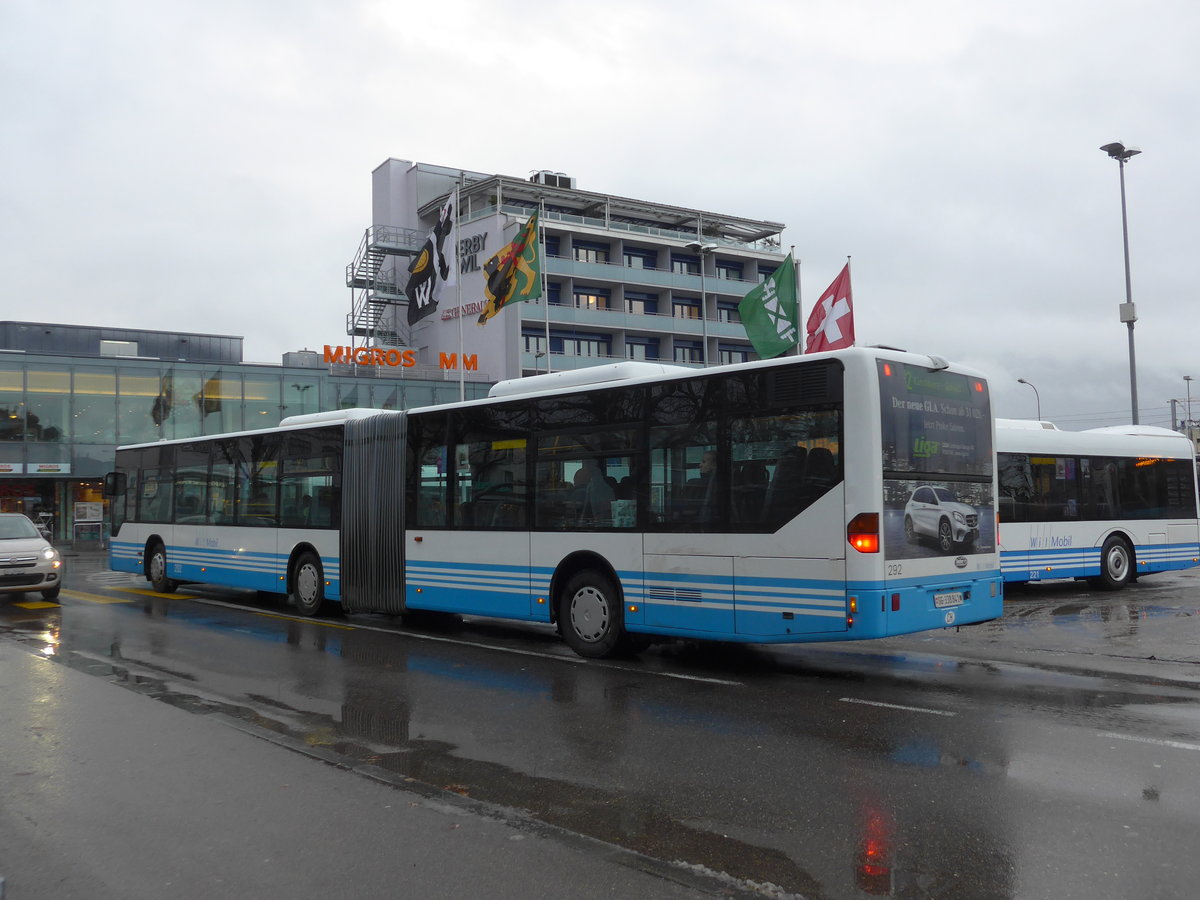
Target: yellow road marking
[(146, 592), (36, 604)]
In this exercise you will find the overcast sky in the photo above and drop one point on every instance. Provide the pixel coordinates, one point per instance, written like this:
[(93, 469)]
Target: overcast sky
[(205, 166)]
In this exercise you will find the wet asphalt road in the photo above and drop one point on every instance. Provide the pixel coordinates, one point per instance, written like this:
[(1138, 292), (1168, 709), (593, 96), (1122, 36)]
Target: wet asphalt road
[(1052, 754)]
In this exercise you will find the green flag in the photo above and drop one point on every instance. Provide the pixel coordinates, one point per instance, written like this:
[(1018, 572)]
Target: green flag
[(770, 313), (514, 273)]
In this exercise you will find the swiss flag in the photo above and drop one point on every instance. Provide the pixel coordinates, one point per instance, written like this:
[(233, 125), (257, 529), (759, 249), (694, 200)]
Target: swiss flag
[(831, 323)]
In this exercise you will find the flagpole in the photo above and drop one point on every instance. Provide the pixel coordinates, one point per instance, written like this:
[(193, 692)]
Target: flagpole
[(542, 275), (848, 279), (799, 351), (462, 361)]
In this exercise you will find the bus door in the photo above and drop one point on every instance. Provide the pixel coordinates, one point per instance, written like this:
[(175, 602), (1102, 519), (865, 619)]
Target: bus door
[(475, 558)]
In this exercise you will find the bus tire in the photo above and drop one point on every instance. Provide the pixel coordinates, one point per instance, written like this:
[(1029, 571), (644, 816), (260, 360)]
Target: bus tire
[(158, 571), (945, 536), (1116, 565), (589, 615), (308, 585)]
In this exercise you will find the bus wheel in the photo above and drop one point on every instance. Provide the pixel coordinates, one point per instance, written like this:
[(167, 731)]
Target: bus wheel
[(1116, 565), (158, 571), (589, 615), (308, 585), (945, 536)]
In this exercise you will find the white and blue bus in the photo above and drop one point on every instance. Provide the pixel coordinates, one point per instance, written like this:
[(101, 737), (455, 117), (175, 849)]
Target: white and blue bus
[(773, 501), (1107, 505)]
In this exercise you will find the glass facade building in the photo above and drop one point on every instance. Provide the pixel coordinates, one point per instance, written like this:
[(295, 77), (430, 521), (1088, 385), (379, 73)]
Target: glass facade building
[(69, 395)]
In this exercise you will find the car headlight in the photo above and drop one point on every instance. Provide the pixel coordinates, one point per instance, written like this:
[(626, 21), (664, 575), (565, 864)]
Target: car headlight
[(959, 518), (49, 553)]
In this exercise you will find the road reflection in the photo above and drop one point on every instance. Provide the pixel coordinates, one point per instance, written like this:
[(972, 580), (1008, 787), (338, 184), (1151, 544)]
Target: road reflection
[(755, 768)]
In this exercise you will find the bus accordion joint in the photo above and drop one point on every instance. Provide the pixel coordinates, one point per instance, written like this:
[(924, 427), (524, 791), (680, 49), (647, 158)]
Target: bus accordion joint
[(863, 532)]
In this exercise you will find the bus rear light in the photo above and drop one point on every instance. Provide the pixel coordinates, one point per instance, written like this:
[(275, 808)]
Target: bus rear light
[(863, 532), (853, 605), (895, 603)]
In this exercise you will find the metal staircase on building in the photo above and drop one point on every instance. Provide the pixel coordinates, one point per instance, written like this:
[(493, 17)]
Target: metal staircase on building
[(375, 297)]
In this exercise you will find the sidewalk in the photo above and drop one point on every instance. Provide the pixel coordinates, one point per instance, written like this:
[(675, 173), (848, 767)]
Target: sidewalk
[(108, 795)]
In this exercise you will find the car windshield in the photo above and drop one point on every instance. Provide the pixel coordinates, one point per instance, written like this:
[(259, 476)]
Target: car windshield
[(14, 528), (945, 496)]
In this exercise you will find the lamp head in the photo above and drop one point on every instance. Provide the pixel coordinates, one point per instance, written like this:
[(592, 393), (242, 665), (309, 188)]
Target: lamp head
[(1119, 151)]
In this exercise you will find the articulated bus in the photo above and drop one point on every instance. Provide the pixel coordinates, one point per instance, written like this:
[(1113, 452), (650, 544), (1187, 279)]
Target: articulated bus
[(1107, 505), (828, 497)]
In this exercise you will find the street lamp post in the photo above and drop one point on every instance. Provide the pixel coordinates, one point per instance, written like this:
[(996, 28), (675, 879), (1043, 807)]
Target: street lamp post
[(1187, 379), (1123, 154), (1036, 395), (703, 250)]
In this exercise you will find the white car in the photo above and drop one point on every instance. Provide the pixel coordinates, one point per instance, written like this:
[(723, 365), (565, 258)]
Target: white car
[(936, 513), (28, 563)]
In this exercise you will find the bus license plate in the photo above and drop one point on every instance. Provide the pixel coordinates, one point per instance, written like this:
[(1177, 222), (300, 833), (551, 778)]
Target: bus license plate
[(951, 598)]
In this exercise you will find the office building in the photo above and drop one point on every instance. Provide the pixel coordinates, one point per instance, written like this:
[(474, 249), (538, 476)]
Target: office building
[(624, 279)]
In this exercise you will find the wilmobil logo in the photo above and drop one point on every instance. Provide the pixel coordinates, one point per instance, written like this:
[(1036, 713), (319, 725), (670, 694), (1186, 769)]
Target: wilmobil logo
[(960, 562), (378, 356)]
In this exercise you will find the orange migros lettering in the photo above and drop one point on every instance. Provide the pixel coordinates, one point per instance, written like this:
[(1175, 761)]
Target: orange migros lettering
[(450, 361), (378, 356)]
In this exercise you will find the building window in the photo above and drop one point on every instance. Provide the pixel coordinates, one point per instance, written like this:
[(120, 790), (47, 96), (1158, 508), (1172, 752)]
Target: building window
[(685, 265), (554, 293), (581, 345), (641, 348), (552, 245), (590, 298), (591, 253), (689, 352), (728, 355), (534, 343), (729, 270), (728, 312), (636, 258), (764, 272), (641, 304), (685, 309)]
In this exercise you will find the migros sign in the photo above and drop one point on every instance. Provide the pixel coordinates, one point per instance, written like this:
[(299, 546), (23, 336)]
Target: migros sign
[(377, 356)]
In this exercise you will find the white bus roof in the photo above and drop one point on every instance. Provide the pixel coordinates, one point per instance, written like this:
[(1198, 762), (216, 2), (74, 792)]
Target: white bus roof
[(1031, 436)]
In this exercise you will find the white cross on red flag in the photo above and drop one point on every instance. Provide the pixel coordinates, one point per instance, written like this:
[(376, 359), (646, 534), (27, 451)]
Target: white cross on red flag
[(831, 323)]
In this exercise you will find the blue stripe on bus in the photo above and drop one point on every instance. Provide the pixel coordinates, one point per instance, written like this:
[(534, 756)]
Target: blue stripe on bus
[(1081, 562), (258, 570), (748, 608)]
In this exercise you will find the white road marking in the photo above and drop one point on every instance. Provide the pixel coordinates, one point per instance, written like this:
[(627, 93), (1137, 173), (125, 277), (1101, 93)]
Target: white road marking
[(1178, 745), (920, 709)]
